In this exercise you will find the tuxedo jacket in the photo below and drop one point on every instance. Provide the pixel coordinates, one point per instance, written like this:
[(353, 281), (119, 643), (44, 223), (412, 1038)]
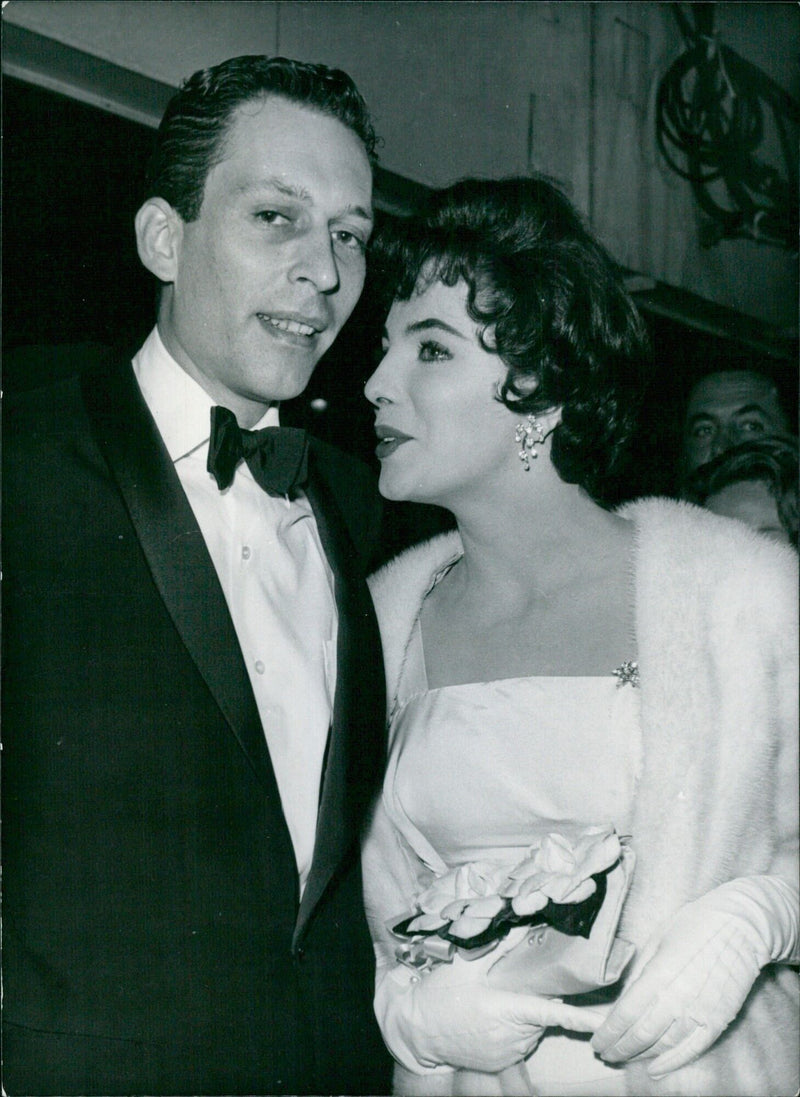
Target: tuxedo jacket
[(154, 941)]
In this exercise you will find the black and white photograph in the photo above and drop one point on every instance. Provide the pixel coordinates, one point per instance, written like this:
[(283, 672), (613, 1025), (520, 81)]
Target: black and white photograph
[(399, 547)]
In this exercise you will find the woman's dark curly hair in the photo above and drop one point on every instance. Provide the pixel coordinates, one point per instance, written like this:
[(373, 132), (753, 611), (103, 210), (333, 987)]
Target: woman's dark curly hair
[(550, 302), (191, 137)]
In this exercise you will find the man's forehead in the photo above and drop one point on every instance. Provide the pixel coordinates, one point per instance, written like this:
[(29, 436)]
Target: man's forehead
[(271, 139), (732, 389)]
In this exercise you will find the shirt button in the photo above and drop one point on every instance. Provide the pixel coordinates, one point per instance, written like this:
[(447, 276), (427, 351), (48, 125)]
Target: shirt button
[(259, 667), (246, 552)]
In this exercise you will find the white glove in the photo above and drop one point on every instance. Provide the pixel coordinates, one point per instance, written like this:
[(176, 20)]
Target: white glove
[(696, 977), (452, 1017)]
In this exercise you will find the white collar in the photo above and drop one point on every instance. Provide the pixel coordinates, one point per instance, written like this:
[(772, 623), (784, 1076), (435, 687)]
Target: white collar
[(180, 406)]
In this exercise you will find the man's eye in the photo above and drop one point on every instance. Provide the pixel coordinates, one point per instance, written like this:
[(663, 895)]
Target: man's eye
[(350, 240), (430, 351), (271, 216), (752, 426), (702, 430)]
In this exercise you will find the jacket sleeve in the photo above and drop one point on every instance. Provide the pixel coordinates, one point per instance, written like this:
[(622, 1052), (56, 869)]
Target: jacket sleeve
[(355, 488)]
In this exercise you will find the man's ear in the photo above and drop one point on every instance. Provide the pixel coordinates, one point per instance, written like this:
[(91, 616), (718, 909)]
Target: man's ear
[(159, 231)]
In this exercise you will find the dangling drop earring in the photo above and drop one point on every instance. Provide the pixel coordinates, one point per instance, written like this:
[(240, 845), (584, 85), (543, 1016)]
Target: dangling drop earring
[(528, 435)]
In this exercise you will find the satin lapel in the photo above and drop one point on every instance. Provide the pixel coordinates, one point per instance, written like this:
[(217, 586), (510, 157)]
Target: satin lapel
[(175, 551), (354, 758)]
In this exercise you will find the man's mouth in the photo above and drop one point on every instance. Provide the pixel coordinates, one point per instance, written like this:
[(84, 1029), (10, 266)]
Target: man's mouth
[(302, 328)]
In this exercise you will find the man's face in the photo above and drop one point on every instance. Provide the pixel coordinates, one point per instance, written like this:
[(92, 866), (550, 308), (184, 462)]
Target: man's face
[(726, 409), (274, 265)]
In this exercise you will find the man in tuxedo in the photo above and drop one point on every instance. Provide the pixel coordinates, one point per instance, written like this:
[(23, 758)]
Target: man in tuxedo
[(193, 693)]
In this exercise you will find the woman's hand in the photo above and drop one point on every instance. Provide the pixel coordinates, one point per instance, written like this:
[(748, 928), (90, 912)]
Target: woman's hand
[(452, 1017), (697, 976)]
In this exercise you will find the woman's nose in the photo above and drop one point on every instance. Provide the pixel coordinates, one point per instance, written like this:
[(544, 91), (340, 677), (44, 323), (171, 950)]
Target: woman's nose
[(376, 388)]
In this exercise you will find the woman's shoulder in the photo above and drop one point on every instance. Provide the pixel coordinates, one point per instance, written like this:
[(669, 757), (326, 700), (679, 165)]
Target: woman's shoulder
[(409, 574), (684, 546), (398, 590), (672, 522)]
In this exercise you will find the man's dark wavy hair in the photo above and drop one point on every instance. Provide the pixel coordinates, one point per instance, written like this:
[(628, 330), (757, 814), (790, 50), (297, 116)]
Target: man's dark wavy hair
[(550, 301), (191, 137)]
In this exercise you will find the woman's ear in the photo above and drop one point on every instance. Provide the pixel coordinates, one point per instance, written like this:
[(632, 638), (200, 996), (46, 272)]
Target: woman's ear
[(526, 385), (159, 231), (549, 420)]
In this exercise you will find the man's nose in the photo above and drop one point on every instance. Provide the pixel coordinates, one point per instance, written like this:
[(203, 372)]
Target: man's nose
[(316, 262), (723, 439)]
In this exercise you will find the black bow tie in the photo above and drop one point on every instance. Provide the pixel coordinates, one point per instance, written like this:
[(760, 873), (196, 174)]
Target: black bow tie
[(276, 456)]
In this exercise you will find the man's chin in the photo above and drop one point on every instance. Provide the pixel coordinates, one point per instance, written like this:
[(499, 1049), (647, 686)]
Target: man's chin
[(289, 388), (293, 368)]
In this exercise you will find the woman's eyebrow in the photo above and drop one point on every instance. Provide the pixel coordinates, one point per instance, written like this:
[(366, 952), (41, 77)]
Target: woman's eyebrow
[(432, 322)]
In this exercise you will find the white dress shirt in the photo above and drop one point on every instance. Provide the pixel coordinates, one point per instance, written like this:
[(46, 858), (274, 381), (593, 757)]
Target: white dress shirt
[(277, 583)]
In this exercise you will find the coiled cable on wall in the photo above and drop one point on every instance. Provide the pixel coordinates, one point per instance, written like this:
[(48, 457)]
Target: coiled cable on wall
[(713, 110)]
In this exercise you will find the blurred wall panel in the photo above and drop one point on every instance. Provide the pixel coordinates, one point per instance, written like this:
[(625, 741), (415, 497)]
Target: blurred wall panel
[(166, 40), (451, 83), (642, 210)]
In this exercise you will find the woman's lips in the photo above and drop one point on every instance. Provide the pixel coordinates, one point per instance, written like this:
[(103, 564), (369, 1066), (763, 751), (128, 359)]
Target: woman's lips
[(389, 440), (388, 446)]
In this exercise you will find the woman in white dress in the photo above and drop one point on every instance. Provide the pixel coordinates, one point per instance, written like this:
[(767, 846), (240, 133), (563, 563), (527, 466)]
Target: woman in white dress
[(559, 667)]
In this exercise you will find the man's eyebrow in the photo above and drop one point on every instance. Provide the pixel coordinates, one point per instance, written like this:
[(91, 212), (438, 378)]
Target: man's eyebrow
[(299, 194), (748, 409), (274, 182), (358, 211), (699, 419)]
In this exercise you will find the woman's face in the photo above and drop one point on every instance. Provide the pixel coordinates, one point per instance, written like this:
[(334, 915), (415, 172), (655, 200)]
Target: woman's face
[(442, 433)]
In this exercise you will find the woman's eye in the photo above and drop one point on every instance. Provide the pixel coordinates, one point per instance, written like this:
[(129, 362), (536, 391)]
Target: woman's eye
[(430, 351)]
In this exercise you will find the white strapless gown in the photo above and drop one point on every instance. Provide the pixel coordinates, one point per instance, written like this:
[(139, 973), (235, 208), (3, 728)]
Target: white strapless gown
[(472, 768)]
